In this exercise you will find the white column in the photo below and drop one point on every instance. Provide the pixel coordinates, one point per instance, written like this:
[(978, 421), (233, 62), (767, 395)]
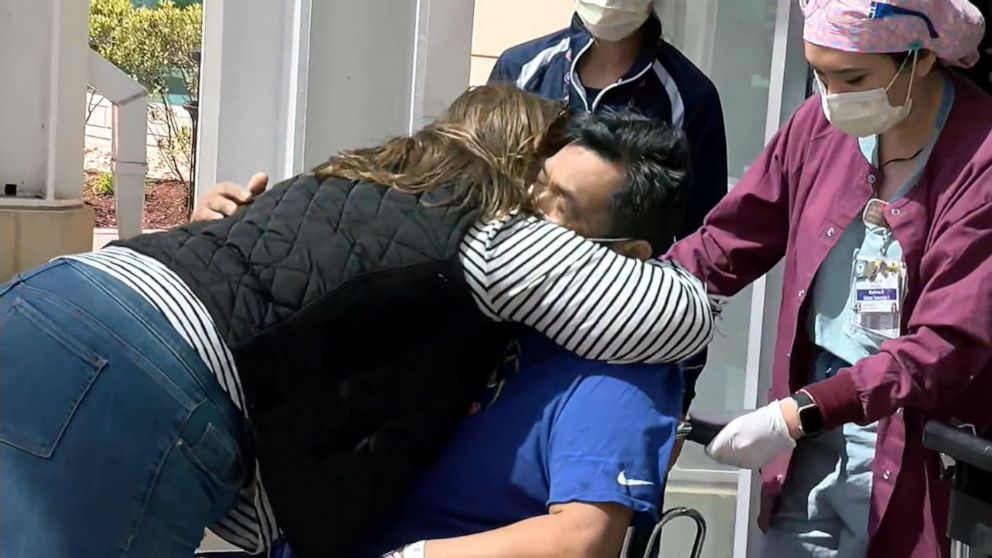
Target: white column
[(43, 65), (252, 77), (360, 75), (287, 84), (697, 28), (128, 164), (43, 68), (442, 57), (379, 69)]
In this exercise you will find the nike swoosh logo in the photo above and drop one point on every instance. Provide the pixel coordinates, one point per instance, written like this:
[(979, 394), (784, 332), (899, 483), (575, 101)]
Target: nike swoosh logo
[(622, 480)]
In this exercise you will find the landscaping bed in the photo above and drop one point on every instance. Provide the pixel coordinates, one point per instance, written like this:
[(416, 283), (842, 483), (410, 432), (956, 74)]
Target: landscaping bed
[(165, 202)]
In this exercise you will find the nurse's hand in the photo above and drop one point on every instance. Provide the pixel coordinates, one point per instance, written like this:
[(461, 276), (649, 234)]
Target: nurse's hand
[(753, 440), (223, 199)]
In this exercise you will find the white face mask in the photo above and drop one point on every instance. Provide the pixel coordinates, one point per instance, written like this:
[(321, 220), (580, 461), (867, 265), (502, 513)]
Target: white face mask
[(612, 20), (866, 113)]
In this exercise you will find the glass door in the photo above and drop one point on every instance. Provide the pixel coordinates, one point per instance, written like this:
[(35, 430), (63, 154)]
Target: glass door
[(752, 51)]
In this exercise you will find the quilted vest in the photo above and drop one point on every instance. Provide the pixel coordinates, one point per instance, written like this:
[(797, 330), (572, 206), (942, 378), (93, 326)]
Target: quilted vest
[(357, 341)]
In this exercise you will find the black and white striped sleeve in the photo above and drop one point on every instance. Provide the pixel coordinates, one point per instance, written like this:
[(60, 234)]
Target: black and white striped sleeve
[(584, 296)]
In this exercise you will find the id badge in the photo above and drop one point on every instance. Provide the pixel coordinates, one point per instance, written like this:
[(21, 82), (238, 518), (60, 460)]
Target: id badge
[(874, 213), (878, 294)]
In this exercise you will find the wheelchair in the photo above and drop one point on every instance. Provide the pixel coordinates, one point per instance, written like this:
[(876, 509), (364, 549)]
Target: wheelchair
[(967, 459), (639, 543)]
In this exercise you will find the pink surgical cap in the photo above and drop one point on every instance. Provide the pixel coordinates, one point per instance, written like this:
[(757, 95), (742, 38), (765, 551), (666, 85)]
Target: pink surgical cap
[(951, 29)]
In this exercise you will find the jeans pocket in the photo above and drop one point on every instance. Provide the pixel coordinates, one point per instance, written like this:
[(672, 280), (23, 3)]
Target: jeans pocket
[(45, 372), (217, 455)]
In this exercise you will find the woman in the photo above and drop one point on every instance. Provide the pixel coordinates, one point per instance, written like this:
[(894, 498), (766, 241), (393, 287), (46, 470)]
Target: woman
[(331, 332), (877, 195)]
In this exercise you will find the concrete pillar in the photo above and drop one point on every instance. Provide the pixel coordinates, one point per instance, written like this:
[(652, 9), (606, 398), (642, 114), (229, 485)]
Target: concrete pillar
[(43, 67), (30, 237)]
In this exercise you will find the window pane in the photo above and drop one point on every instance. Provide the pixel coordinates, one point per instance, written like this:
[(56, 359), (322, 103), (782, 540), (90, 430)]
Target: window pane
[(730, 41)]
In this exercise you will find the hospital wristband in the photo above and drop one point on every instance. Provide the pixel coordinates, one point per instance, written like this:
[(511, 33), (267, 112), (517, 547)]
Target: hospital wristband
[(415, 550)]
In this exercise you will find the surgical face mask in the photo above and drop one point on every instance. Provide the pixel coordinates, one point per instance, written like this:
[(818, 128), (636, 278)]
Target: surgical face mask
[(613, 20), (866, 113)]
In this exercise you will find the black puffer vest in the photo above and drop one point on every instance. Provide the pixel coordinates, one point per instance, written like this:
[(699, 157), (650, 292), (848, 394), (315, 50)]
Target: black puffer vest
[(356, 338)]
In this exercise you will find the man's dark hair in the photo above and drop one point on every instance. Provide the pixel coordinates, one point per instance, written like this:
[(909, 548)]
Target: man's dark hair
[(655, 158)]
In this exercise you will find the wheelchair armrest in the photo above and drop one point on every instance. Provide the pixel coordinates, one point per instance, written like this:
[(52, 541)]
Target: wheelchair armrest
[(959, 444), (702, 428)]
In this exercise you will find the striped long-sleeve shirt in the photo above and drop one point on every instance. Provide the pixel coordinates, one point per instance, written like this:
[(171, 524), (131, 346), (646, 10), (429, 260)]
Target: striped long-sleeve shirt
[(584, 296)]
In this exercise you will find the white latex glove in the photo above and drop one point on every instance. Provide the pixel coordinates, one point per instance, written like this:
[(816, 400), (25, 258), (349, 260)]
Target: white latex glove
[(753, 440)]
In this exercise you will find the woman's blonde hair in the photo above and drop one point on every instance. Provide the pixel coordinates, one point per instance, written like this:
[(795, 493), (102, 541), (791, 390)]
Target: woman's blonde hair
[(488, 146)]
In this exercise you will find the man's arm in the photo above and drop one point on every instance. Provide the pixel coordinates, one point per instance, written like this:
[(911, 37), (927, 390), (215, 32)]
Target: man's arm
[(572, 530)]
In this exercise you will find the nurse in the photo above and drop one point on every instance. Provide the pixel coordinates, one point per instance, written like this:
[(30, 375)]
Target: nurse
[(878, 195)]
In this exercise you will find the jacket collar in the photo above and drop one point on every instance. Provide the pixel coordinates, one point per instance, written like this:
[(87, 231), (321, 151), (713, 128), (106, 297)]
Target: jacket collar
[(581, 39)]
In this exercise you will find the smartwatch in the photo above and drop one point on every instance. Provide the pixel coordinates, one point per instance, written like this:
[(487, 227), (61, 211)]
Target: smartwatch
[(810, 417)]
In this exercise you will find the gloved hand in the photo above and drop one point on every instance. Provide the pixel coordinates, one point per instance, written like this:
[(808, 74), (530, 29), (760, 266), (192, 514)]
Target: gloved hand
[(753, 440)]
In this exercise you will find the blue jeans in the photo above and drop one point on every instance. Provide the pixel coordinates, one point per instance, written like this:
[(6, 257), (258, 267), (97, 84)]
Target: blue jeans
[(115, 439)]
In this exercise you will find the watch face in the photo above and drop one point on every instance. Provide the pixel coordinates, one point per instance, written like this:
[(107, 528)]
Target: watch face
[(811, 420)]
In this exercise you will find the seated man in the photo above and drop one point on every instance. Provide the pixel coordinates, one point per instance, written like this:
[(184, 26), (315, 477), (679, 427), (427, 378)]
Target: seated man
[(561, 454)]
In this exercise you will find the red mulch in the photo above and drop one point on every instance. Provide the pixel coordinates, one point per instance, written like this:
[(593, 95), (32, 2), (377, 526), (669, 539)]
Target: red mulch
[(165, 204)]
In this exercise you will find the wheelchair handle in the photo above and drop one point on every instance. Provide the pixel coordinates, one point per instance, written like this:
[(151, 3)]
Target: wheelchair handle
[(654, 541), (959, 444), (702, 428)]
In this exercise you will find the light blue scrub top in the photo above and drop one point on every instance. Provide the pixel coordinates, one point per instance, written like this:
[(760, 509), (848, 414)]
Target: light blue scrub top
[(832, 313)]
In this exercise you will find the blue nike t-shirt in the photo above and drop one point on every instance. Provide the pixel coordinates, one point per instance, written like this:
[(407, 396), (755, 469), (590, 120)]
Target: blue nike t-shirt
[(562, 429)]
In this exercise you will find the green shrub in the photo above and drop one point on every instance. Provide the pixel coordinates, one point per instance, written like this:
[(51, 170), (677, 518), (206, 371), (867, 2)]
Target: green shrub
[(154, 46), (104, 185)]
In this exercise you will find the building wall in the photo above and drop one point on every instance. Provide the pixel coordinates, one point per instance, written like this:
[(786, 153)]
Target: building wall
[(500, 24), (99, 135), (100, 123)]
